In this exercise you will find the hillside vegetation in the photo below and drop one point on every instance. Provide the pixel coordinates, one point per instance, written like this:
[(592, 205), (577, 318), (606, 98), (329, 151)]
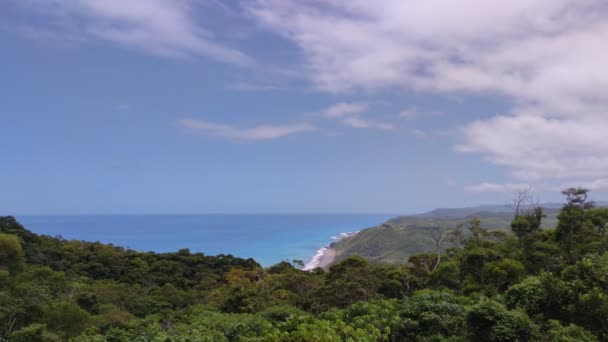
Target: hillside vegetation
[(395, 240), (529, 284)]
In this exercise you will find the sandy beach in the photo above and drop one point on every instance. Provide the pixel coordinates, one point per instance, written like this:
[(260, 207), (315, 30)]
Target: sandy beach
[(327, 257), (324, 257)]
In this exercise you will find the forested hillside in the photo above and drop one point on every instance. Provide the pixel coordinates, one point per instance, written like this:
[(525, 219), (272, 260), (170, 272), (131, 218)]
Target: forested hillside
[(529, 284), (398, 238)]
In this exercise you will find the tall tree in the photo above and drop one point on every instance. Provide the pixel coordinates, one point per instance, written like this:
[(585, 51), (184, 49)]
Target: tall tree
[(571, 219)]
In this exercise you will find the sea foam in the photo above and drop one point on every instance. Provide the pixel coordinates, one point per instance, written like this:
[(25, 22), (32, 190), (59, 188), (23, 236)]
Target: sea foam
[(316, 260)]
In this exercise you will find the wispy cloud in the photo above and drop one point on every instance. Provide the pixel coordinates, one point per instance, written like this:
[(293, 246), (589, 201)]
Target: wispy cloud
[(166, 28), (260, 132), (350, 114), (495, 187), (551, 187), (363, 123), (343, 109)]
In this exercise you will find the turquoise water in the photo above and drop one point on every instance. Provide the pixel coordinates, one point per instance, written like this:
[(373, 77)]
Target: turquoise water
[(266, 238)]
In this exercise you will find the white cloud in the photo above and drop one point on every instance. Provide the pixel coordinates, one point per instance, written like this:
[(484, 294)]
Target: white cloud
[(260, 132), (551, 187), (494, 187), (363, 44), (547, 56), (357, 122), (349, 113), (344, 109), (537, 147), (596, 184), (160, 27)]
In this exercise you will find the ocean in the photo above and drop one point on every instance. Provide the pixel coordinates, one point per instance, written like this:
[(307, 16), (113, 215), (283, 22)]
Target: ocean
[(268, 239)]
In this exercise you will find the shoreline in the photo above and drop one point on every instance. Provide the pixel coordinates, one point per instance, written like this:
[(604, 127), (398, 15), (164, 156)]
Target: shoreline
[(327, 254), (323, 258)]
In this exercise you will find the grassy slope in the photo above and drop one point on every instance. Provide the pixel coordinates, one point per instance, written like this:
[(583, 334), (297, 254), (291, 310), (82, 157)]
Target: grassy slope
[(398, 238)]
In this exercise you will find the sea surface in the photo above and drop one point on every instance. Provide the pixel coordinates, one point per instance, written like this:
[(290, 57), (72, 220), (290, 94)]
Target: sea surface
[(268, 239)]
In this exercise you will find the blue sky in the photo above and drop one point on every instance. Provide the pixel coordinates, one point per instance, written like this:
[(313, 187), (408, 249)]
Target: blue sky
[(289, 106)]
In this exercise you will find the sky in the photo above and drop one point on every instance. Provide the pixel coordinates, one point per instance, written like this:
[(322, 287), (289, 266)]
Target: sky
[(288, 106)]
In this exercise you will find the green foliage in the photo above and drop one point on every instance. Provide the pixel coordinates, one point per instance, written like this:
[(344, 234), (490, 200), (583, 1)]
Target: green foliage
[(570, 333), (349, 282), (528, 295), (395, 241), (491, 321), (499, 275), (528, 222), (447, 275), (33, 333), (433, 315), (581, 228), (11, 254), (67, 319)]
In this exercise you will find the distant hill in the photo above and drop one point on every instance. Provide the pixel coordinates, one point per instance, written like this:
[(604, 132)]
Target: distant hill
[(464, 212), (395, 240), (491, 216)]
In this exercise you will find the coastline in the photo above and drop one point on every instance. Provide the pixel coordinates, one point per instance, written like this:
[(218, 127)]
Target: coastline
[(323, 258), (327, 254)]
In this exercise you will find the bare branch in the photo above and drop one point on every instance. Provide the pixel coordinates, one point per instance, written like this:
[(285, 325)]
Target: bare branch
[(521, 198), (439, 236)]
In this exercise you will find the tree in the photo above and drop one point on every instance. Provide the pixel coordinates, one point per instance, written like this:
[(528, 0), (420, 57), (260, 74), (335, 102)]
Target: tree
[(503, 273), (520, 200), (297, 263), (571, 219), (11, 254), (431, 316), (349, 281), (478, 233), (67, 319), (570, 333), (528, 215), (429, 262), (491, 321), (577, 197), (33, 333), (439, 237), (528, 295)]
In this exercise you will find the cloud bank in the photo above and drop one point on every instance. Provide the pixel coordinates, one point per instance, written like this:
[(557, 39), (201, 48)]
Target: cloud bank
[(547, 56)]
